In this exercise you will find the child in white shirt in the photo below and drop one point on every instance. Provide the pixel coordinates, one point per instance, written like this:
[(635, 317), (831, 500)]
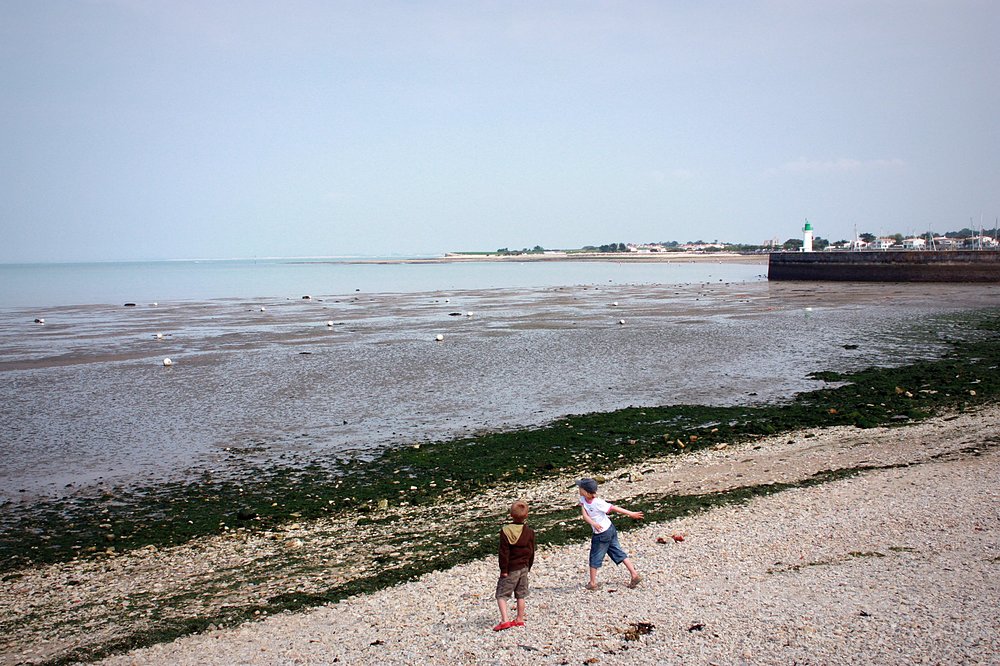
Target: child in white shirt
[(605, 538)]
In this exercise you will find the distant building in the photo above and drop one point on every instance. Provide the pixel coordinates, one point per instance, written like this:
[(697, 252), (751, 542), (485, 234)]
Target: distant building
[(646, 248), (883, 243), (914, 243), (981, 242)]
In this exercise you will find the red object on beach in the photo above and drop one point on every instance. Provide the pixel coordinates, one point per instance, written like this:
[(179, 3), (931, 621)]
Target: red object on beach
[(677, 537), (503, 625), (660, 540)]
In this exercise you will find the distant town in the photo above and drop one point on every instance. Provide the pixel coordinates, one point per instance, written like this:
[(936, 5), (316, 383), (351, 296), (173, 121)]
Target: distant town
[(951, 240)]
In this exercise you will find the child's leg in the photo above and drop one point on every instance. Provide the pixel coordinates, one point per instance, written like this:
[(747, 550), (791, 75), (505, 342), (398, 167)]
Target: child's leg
[(502, 605), (631, 568), (520, 611), (593, 576)]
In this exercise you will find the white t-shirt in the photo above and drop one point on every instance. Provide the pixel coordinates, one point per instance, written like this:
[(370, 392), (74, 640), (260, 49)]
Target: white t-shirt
[(597, 509)]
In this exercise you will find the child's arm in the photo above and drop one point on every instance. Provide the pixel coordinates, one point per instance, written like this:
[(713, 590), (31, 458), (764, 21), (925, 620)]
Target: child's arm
[(635, 515), (504, 555)]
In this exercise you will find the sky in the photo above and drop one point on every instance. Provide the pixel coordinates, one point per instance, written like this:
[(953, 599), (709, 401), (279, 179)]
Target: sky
[(184, 129)]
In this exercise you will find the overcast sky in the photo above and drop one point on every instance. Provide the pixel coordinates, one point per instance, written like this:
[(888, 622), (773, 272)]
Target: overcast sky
[(167, 129)]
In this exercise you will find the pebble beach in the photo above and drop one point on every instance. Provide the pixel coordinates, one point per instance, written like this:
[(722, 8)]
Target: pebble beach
[(897, 564)]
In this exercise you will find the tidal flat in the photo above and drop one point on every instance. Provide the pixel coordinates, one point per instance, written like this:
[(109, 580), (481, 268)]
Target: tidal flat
[(88, 406), (275, 510)]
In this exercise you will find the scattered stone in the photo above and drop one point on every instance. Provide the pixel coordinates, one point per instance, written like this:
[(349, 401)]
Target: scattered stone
[(439, 337), (167, 363)]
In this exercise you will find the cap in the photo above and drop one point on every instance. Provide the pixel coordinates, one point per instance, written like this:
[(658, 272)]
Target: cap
[(589, 485)]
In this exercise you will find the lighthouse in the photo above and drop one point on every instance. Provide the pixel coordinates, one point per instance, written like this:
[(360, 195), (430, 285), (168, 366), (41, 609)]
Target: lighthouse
[(807, 237)]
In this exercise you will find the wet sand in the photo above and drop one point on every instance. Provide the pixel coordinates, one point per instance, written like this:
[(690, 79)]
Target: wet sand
[(87, 401)]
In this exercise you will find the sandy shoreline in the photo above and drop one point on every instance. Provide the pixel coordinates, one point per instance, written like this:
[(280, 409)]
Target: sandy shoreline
[(913, 543), (614, 257)]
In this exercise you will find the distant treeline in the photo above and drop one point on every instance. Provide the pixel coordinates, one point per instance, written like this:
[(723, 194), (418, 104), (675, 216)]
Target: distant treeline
[(819, 243)]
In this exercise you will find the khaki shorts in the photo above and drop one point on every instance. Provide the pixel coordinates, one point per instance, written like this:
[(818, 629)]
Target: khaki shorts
[(516, 582)]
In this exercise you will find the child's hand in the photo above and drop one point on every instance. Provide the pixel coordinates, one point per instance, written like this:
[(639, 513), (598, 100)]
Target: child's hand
[(636, 515)]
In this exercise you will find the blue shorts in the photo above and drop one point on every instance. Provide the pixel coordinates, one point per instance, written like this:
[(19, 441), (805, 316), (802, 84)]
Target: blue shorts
[(606, 543)]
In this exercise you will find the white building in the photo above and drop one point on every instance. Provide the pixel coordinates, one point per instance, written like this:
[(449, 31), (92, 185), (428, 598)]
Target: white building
[(914, 243)]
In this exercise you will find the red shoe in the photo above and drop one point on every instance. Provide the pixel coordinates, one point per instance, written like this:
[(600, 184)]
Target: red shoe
[(503, 625), (517, 623)]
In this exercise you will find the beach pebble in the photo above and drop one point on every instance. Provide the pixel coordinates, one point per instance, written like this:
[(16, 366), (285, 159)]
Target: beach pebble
[(167, 362), (263, 309), (39, 321), (439, 337), (468, 314), (621, 322), (615, 304), (329, 324)]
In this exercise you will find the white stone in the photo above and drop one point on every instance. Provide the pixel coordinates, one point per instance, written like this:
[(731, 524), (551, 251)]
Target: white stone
[(439, 337), (167, 362)]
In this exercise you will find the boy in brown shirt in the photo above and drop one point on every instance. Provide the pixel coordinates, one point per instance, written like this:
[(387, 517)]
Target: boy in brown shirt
[(517, 554)]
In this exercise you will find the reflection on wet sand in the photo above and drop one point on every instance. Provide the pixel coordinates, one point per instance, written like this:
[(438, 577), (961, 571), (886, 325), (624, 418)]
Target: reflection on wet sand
[(87, 399)]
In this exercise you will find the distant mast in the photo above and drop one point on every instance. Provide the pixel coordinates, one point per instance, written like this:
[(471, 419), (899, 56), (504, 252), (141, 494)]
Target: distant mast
[(807, 237)]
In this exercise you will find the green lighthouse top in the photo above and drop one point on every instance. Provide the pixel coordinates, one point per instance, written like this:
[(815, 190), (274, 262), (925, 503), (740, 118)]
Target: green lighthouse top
[(808, 226)]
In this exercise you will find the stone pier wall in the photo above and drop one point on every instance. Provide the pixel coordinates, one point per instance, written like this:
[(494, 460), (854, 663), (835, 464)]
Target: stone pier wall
[(887, 266)]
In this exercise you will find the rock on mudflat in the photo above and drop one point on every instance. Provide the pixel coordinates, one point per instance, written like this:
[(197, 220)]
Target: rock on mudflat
[(167, 363)]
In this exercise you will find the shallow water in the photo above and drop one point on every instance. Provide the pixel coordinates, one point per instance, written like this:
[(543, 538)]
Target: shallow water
[(86, 399)]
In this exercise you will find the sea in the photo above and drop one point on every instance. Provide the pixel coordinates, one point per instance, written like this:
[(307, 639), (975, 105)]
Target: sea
[(59, 284), (310, 361)]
